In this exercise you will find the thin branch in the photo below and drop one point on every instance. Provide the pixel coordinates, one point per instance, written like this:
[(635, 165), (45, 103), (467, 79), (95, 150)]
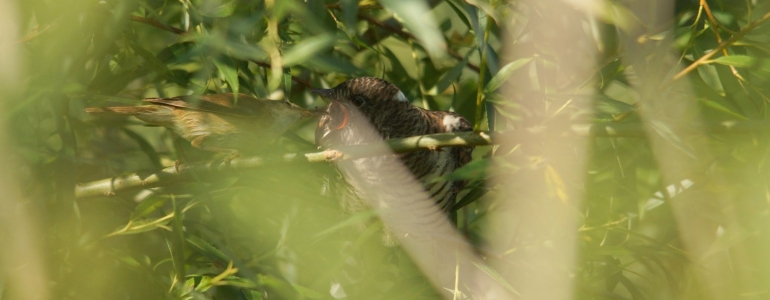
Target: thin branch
[(157, 24), (112, 186), (721, 46), (715, 27)]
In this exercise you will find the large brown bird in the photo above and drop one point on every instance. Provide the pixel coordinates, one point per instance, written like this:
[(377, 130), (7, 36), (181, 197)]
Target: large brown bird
[(216, 122), (360, 104)]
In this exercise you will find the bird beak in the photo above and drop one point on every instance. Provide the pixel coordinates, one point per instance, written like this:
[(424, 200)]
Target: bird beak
[(339, 113), (325, 94), (338, 110)]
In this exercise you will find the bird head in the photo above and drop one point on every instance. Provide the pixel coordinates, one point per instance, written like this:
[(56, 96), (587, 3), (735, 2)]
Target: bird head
[(366, 95), (356, 104)]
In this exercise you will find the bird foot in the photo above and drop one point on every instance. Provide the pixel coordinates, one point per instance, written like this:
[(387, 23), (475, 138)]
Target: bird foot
[(332, 155), (229, 158), (177, 164)]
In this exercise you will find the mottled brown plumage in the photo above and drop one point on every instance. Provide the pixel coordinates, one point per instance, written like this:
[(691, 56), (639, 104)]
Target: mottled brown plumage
[(216, 122), (362, 103)]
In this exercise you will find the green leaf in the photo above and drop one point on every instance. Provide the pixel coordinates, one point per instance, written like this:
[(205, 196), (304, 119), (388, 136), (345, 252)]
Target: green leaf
[(218, 9), (328, 63), (207, 249), (670, 135), (743, 61), (474, 169), (504, 73), (307, 49), (233, 48), (354, 219), (453, 74), (178, 52), (460, 9), (472, 196), (418, 19), (496, 276), (349, 15), (715, 105), (155, 63), (287, 84), (283, 289), (226, 66), (134, 227), (147, 206)]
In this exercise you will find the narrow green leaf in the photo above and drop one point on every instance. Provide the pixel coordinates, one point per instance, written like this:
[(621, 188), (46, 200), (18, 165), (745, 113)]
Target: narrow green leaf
[(453, 74), (177, 52), (504, 73), (206, 248), (287, 83), (743, 61), (177, 240), (670, 135), (475, 194), (417, 18), (459, 8), (147, 206), (354, 219), (140, 226), (307, 293), (218, 9), (226, 66), (349, 15), (307, 49), (496, 276), (474, 169), (715, 105), (233, 48)]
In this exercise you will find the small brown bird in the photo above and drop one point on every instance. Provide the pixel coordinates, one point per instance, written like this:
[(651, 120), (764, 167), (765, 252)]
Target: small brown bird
[(360, 103), (216, 122)]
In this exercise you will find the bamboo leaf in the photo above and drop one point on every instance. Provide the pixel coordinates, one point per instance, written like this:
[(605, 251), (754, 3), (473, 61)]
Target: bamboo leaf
[(499, 79), (227, 68), (744, 61), (218, 9), (308, 48), (418, 19)]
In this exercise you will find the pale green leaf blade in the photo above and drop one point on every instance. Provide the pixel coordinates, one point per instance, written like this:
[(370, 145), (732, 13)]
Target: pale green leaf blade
[(504, 73), (418, 19)]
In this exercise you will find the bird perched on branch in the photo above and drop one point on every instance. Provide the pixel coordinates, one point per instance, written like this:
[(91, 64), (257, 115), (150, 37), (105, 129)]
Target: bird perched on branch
[(216, 122), (365, 110)]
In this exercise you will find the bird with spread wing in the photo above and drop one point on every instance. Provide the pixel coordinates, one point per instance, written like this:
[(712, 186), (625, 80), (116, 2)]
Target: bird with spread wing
[(216, 122)]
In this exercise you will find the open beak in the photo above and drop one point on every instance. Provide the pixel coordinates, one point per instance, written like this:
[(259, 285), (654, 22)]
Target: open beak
[(339, 113)]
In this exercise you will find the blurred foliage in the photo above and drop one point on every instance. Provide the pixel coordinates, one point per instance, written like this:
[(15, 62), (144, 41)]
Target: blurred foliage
[(277, 233)]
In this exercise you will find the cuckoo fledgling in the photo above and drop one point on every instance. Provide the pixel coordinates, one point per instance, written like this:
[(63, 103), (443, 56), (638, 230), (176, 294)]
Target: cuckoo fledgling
[(360, 104), (216, 122)]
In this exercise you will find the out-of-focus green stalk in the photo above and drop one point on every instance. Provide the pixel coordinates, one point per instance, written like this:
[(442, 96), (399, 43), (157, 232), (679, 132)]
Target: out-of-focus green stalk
[(482, 72), (177, 241)]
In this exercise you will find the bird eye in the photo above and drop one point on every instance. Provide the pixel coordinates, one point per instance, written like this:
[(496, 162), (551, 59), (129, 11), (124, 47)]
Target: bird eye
[(358, 101)]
